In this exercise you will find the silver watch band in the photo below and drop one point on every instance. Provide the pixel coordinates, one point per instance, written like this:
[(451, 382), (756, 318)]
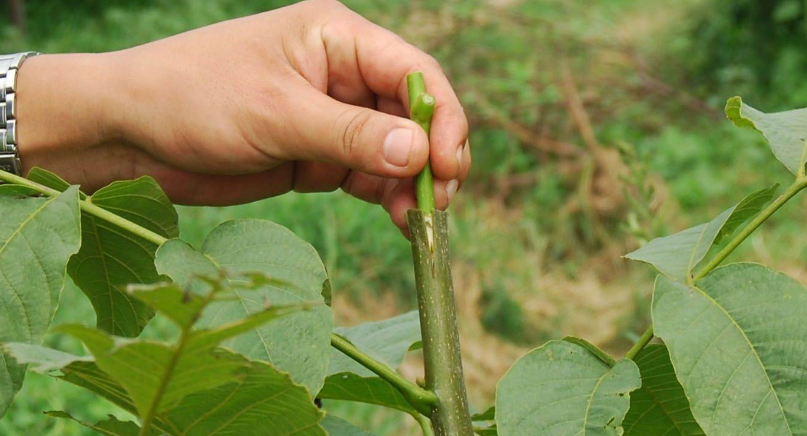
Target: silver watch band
[(9, 157)]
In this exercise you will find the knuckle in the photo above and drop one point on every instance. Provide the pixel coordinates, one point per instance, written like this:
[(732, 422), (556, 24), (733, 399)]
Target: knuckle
[(330, 4), (431, 62), (355, 123), (463, 121)]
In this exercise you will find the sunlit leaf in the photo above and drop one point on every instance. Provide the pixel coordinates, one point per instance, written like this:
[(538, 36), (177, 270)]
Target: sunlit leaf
[(110, 257), (737, 340), (262, 401), (190, 388), (300, 343), (602, 355), (37, 237), (786, 132), (562, 389), (677, 255)]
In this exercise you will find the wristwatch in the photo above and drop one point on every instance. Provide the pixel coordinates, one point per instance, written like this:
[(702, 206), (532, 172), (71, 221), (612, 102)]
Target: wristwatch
[(9, 157)]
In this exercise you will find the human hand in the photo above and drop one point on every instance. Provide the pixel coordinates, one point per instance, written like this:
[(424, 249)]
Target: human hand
[(311, 97)]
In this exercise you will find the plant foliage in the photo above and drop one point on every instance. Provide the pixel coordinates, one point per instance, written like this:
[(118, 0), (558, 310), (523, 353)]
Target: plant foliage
[(255, 346)]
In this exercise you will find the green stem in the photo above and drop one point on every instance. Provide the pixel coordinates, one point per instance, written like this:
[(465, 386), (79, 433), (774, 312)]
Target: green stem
[(795, 188), (438, 323), (640, 344), (185, 333), (421, 109), (438, 312), (763, 216), (421, 399), (87, 206), (425, 425), (145, 429), (415, 391)]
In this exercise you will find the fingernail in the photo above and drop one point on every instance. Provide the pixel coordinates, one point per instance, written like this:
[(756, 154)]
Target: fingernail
[(397, 146), (460, 152), (451, 188)]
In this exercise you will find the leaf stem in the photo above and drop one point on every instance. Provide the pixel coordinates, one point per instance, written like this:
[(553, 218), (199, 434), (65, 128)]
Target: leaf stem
[(87, 206), (763, 216), (640, 344), (420, 398), (425, 424), (795, 188), (145, 429), (421, 109), (184, 335)]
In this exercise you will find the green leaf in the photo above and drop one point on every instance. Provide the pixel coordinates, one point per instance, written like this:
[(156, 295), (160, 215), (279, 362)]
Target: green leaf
[(109, 427), (327, 292), (191, 387), (41, 359), (140, 367), (487, 431), (300, 344), (181, 307), (737, 340), (677, 255), (262, 401), (18, 191), (339, 427), (386, 341), (785, 131), (660, 406), (602, 355), (487, 415), (485, 428), (37, 237), (47, 178), (563, 389), (749, 207), (347, 386), (110, 257)]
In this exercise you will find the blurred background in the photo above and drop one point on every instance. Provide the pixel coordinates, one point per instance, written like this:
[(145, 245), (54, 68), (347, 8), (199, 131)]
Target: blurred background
[(596, 125)]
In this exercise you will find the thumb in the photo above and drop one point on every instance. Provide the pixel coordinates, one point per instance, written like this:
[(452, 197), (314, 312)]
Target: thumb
[(357, 138)]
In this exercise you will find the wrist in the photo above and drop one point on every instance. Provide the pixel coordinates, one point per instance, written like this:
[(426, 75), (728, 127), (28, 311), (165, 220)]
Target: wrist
[(65, 103)]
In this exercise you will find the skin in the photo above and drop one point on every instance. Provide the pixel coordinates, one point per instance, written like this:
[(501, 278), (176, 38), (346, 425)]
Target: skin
[(296, 99)]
